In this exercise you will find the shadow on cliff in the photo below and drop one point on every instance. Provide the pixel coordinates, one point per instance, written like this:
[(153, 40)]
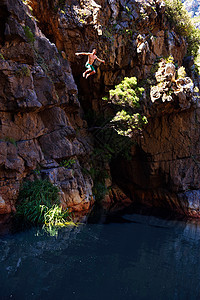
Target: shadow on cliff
[(90, 90), (136, 177), (142, 183), (3, 17)]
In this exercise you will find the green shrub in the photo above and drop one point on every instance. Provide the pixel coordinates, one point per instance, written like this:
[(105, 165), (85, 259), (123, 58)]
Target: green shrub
[(126, 96), (67, 164), (118, 146), (127, 93), (29, 35), (99, 175), (179, 16), (22, 71), (194, 42), (99, 190), (38, 204), (197, 62), (126, 123), (37, 171), (184, 25), (10, 140), (1, 56), (35, 198)]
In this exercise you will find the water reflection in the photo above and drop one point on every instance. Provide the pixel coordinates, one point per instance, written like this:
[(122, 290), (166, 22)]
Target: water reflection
[(142, 258)]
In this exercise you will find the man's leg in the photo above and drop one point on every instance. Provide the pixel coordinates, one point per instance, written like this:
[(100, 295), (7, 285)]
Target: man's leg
[(92, 73), (87, 71)]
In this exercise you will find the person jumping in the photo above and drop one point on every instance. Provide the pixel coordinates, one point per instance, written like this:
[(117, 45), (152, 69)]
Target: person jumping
[(89, 64)]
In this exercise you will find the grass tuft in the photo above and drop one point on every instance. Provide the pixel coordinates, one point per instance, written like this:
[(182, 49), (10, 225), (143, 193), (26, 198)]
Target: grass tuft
[(38, 204)]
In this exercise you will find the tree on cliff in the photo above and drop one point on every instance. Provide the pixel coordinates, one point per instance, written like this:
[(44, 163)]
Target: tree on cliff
[(125, 99), (181, 20)]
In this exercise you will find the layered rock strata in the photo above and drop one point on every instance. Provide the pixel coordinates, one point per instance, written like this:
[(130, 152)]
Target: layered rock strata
[(165, 168), (42, 133), (132, 36), (129, 35), (42, 127)]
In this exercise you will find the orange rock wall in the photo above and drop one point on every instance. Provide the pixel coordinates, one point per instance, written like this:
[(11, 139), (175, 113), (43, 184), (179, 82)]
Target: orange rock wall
[(43, 94)]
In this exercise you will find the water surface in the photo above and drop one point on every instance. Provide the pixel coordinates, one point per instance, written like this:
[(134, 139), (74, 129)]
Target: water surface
[(143, 257)]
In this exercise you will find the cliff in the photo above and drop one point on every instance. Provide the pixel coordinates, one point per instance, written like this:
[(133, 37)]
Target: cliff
[(41, 124), (43, 97)]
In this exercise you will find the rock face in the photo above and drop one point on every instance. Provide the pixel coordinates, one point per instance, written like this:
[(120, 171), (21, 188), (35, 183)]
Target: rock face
[(165, 169), (169, 89), (168, 171), (129, 35), (171, 143), (42, 126)]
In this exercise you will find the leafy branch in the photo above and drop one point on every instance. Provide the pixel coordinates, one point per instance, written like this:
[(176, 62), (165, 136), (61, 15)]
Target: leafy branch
[(126, 98)]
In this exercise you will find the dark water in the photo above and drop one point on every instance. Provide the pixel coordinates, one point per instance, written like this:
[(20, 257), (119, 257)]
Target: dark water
[(141, 258)]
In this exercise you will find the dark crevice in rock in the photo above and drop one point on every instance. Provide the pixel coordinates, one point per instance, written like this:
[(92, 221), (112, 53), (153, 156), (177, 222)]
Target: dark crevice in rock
[(4, 14)]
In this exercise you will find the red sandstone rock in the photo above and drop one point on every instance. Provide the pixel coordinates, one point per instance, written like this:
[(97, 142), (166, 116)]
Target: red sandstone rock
[(40, 114)]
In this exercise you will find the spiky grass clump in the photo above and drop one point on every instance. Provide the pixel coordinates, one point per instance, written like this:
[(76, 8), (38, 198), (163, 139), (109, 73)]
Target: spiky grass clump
[(39, 205), (56, 218)]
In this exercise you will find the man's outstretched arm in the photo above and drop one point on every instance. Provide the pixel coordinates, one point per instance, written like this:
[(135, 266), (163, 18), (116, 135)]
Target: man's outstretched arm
[(101, 60), (82, 53)]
